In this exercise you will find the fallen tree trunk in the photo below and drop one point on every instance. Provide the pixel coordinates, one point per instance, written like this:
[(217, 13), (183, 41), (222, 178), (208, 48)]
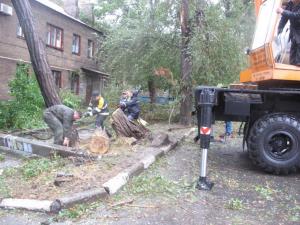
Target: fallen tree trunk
[(31, 204), (125, 128)]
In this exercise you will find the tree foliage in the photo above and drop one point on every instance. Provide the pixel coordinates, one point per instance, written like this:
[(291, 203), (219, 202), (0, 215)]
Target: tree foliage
[(138, 42), (144, 35), (25, 109)]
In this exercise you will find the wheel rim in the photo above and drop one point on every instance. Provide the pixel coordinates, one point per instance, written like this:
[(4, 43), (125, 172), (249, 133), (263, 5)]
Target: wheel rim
[(281, 145)]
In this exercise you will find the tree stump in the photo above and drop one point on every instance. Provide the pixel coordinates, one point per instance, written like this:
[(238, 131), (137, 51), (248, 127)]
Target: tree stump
[(125, 128), (99, 143)]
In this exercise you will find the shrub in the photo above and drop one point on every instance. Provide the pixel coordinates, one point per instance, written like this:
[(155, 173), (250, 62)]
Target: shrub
[(24, 111), (69, 99)]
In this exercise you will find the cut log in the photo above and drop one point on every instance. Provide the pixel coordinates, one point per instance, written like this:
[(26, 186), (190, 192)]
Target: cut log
[(124, 127), (31, 204), (85, 196), (99, 143)]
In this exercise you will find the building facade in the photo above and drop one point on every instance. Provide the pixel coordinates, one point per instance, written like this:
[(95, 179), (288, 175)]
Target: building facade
[(70, 47)]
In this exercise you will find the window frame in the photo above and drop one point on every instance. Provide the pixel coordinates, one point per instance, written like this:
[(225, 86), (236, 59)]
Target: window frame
[(55, 73), (79, 44), (90, 56), (62, 37)]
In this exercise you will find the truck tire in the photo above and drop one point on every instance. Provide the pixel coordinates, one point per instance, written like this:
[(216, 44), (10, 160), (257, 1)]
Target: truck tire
[(274, 143)]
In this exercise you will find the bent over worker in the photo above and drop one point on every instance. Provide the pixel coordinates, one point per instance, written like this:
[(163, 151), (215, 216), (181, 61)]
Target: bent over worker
[(60, 119)]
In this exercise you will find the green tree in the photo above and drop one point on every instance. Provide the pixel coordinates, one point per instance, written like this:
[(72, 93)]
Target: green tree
[(143, 35)]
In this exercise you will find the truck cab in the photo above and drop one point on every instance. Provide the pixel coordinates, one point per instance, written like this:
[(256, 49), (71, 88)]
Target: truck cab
[(267, 101), (269, 53)]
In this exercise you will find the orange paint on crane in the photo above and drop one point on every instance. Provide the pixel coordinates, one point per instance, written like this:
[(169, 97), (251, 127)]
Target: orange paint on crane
[(257, 5)]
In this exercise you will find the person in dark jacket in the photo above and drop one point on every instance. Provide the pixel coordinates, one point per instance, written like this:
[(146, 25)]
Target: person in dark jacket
[(130, 105), (60, 119), (292, 13)]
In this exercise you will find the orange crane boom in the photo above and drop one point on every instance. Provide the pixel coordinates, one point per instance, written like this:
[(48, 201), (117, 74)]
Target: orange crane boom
[(257, 5)]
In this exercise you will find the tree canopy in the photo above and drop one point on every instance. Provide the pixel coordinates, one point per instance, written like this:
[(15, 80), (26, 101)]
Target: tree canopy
[(144, 35)]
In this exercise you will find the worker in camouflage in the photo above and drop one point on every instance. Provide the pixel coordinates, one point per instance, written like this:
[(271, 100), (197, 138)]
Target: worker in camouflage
[(60, 119)]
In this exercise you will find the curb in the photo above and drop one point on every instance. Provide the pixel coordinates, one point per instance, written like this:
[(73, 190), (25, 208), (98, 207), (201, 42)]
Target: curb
[(111, 187), (84, 196), (31, 204), (114, 184)]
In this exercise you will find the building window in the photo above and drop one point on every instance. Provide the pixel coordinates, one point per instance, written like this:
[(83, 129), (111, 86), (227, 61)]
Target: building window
[(54, 37), (90, 49), (76, 44), (75, 83), (20, 31), (57, 78)]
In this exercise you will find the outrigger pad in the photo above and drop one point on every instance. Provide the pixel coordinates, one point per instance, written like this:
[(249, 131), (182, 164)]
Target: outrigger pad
[(204, 184)]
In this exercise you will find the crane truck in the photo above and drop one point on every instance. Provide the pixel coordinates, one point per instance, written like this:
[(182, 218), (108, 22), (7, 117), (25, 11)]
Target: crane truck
[(267, 100)]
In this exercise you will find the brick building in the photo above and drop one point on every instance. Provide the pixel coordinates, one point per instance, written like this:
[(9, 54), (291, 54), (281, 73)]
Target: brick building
[(70, 47)]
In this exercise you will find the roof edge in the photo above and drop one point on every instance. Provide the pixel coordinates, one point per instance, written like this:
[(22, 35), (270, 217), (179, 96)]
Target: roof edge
[(69, 17)]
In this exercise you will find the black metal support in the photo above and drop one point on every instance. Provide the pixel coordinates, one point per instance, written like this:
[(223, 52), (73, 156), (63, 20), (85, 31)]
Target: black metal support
[(206, 101)]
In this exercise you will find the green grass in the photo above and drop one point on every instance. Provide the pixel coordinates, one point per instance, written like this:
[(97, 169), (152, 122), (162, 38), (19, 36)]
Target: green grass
[(4, 190), (294, 214), (152, 183), (35, 167), (235, 204), (2, 157), (265, 192), (76, 211)]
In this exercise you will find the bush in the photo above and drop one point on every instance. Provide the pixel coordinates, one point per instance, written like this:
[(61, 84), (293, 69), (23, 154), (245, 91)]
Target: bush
[(158, 112), (69, 99), (25, 110)]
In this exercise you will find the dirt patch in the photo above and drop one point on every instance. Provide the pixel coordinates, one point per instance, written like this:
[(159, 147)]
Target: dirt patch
[(35, 178)]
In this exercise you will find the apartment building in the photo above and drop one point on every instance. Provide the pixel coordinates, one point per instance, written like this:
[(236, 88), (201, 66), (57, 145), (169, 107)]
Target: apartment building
[(70, 47)]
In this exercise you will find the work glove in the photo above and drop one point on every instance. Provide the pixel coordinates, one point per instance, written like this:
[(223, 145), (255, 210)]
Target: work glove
[(87, 114), (122, 105), (96, 110)]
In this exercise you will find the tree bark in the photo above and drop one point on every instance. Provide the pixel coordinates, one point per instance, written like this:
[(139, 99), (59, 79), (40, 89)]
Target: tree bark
[(152, 89), (125, 128), (37, 53), (186, 66)]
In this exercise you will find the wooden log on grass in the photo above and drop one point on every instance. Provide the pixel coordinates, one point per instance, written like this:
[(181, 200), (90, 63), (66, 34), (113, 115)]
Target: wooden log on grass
[(125, 128)]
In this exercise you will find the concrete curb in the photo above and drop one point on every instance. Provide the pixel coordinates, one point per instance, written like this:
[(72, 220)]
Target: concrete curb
[(117, 182), (84, 196), (31, 204), (111, 187)]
